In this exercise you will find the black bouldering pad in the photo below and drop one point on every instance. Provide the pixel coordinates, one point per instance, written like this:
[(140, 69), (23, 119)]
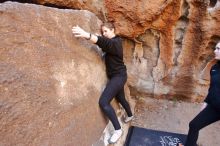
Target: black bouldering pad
[(146, 137)]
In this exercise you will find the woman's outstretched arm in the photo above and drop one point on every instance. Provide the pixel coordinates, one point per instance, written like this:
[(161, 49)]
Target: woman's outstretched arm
[(79, 32)]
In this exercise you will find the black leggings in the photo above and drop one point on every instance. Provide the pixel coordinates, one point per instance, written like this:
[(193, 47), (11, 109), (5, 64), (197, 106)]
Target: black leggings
[(206, 117), (114, 88)]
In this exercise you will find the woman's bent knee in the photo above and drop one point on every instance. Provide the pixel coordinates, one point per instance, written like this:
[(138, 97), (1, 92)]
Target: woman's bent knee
[(102, 103), (193, 125)]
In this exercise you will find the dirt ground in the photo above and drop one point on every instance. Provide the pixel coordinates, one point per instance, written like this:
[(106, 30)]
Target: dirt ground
[(171, 116)]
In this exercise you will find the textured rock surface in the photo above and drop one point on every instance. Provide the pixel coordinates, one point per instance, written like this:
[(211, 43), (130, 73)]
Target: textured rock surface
[(170, 42), (49, 81), (170, 46)]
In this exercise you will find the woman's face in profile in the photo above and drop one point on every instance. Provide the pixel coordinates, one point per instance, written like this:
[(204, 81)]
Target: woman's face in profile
[(107, 32), (217, 51)]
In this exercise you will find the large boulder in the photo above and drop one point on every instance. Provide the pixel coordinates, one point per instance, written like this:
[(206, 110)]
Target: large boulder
[(50, 81), (95, 6)]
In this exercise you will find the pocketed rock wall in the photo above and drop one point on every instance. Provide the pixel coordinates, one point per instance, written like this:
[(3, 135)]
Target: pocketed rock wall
[(171, 46)]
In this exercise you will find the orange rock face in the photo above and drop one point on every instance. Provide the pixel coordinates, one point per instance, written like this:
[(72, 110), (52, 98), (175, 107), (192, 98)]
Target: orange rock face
[(171, 45)]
